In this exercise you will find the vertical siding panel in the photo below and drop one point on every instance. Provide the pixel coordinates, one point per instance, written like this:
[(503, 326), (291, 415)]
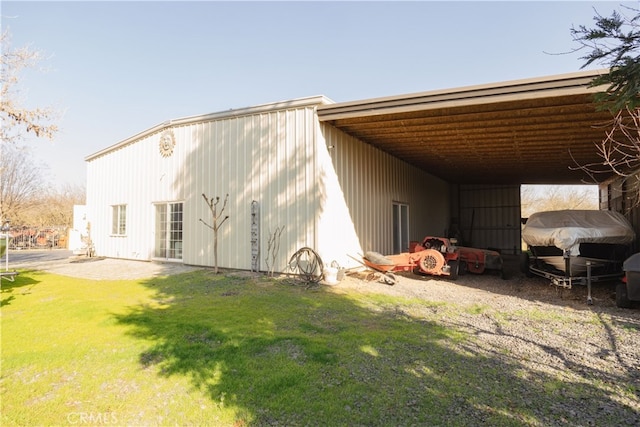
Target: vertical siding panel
[(372, 180), (268, 159), (235, 144), (194, 201), (490, 216), (311, 181), (243, 180), (201, 180), (191, 171)]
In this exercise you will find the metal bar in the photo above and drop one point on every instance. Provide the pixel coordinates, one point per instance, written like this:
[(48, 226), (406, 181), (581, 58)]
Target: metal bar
[(589, 300)]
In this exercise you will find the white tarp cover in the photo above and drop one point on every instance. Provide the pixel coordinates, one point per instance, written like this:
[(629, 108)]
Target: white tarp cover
[(566, 229)]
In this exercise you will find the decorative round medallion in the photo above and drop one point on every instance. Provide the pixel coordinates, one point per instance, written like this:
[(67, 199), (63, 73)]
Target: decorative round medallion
[(167, 142)]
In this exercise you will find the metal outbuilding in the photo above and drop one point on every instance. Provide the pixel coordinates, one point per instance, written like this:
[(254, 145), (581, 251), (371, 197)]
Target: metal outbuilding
[(342, 178)]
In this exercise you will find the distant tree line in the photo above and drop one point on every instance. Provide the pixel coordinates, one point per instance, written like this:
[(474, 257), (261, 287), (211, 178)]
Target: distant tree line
[(28, 198), (557, 197)]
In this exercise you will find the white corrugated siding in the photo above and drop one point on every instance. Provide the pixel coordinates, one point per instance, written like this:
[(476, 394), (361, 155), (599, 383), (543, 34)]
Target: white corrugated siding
[(267, 157), (371, 181), (336, 200)]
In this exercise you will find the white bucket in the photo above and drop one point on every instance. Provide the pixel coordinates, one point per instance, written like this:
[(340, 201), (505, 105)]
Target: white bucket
[(330, 275)]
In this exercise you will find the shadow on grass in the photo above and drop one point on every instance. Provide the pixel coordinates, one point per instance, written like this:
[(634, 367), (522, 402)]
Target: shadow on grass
[(285, 355), (21, 284)]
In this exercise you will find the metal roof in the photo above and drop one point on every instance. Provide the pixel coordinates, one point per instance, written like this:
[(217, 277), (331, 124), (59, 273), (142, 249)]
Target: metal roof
[(532, 131), (310, 101)]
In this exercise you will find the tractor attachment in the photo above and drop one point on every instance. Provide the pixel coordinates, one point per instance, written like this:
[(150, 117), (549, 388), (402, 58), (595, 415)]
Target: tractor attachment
[(473, 260), (435, 256)]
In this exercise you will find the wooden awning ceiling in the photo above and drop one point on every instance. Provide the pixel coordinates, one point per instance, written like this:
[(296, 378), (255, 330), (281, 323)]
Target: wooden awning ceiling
[(538, 131)]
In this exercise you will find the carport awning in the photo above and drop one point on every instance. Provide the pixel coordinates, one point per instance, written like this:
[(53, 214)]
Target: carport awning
[(535, 131)]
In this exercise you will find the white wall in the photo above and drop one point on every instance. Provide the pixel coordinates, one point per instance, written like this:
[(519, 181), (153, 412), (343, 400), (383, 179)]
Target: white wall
[(264, 154), (370, 181), (79, 234), (269, 158)]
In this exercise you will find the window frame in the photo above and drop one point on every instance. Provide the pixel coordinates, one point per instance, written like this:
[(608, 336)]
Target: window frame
[(400, 227), (169, 230), (119, 220)]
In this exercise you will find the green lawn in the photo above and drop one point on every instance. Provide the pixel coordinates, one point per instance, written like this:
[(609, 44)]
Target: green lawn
[(204, 349)]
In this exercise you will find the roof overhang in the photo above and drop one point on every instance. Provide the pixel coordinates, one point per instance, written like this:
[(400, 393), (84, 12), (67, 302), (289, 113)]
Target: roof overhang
[(534, 131)]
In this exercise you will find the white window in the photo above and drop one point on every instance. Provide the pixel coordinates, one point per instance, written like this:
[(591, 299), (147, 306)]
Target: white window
[(400, 228), (119, 220)]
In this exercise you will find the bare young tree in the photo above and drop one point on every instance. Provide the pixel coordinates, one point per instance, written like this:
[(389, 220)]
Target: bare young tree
[(18, 120), (216, 223), (22, 183), (273, 247)]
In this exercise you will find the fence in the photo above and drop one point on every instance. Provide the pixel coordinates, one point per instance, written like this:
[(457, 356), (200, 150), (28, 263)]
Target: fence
[(38, 237)]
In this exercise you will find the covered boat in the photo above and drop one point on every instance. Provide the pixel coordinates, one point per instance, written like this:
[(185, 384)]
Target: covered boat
[(573, 246), (566, 229)]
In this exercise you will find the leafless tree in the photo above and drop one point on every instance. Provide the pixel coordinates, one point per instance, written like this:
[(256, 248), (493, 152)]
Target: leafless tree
[(619, 151), (216, 223), (21, 179), (18, 120), (22, 183), (556, 197), (273, 247)]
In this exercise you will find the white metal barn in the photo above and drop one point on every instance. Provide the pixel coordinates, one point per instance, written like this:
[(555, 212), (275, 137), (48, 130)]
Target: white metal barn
[(330, 191), (344, 178)]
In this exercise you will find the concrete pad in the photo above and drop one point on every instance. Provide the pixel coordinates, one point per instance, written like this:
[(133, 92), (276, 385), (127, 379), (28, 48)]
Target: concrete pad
[(97, 268)]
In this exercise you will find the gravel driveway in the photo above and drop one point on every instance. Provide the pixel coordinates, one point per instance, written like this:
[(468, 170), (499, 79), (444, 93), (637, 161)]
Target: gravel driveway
[(65, 263), (547, 331)]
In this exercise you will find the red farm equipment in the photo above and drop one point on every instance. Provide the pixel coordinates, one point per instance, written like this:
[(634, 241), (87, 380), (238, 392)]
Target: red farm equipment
[(436, 256)]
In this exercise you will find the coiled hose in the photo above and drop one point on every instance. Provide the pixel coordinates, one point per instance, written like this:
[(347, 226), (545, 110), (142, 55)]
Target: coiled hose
[(307, 263)]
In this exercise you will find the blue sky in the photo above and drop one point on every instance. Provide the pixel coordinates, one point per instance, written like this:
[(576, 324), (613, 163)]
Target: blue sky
[(117, 68)]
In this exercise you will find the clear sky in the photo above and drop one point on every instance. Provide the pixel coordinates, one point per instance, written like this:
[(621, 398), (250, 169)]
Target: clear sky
[(117, 68)]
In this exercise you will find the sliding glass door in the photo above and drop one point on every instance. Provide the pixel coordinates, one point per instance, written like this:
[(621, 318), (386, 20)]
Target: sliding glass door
[(168, 243)]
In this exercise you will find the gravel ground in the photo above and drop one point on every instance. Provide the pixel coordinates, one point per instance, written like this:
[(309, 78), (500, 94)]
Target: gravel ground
[(546, 331)]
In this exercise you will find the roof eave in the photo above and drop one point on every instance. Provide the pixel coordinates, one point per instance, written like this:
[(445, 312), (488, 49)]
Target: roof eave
[(559, 85), (264, 108)]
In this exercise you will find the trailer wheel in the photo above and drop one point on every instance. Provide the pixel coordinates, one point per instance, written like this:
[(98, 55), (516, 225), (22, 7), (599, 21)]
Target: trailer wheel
[(525, 264), (462, 268), (454, 269), (389, 279), (622, 299)]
